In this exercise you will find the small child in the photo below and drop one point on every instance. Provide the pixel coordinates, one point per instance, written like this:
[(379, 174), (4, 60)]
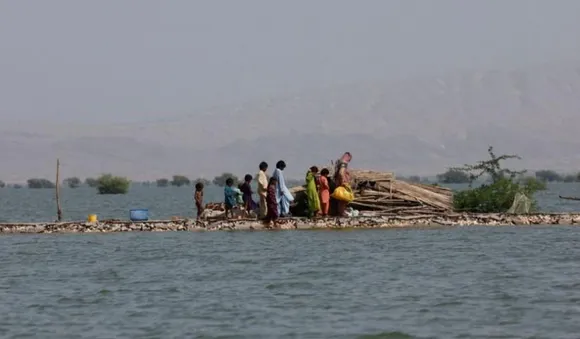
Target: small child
[(230, 197), (247, 193), (324, 192), (198, 197), (271, 201)]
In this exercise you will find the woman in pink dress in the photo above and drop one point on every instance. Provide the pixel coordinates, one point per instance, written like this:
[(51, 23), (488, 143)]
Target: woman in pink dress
[(324, 192)]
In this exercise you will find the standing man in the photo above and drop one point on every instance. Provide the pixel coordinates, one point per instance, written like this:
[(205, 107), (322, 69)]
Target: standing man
[(263, 189)]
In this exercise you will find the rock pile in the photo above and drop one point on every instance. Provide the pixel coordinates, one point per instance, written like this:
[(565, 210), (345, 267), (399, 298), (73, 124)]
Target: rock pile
[(383, 221)]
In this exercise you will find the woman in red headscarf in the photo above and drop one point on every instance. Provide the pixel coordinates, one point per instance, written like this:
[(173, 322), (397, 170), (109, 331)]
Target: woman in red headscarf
[(341, 178)]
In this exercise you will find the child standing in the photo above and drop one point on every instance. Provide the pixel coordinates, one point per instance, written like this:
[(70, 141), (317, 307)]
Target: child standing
[(247, 193), (198, 197), (324, 192), (271, 201), (230, 197)]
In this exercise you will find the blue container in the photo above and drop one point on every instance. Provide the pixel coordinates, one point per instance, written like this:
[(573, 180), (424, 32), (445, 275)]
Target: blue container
[(139, 214)]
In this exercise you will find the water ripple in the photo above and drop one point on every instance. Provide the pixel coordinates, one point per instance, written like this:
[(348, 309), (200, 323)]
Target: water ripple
[(480, 282)]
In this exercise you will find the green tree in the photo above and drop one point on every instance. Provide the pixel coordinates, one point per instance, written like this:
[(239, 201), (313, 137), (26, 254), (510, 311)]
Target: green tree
[(453, 176), (570, 178), (73, 182), (548, 175), (497, 196), (2, 184), (109, 184), (40, 183), (91, 182), (221, 179), (162, 182), (204, 181), (180, 180)]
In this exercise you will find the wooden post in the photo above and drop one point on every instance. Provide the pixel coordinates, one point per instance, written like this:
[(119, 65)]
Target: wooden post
[(391, 187), (58, 209)]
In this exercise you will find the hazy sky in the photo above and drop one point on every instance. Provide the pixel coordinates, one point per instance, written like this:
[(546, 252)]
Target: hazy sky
[(135, 60)]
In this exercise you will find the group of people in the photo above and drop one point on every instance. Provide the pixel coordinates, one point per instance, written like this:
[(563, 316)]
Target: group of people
[(275, 198)]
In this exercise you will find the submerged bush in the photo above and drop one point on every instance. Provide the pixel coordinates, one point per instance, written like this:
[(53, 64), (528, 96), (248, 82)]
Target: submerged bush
[(498, 195), (109, 184), (73, 182), (40, 183), (220, 180), (91, 182), (453, 176), (162, 182), (180, 180), (203, 181)]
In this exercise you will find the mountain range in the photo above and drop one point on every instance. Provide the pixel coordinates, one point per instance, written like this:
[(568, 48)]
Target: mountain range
[(414, 126)]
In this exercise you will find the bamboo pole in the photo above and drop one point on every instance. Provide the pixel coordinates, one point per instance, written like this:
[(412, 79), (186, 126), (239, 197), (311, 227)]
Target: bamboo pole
[(58, 209)]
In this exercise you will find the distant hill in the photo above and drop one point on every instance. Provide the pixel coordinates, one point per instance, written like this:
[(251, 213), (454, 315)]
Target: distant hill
[(417, 126)]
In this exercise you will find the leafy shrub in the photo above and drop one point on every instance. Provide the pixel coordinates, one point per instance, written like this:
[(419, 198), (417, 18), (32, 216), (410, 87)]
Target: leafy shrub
[(109, 184), (73, 182), (549, 175), (91, 182), (497, 196), (180, 180), (205, 182), (221, 179), (162, 182), (40, 183), (453, 176)]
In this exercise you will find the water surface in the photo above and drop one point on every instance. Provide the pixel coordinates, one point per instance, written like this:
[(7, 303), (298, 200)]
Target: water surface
[(473, 282), (30, 205)]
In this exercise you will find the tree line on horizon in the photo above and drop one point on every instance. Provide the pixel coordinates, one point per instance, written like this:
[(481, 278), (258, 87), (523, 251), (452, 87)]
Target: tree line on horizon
[(459, 176), (451, 176), (109, 184)]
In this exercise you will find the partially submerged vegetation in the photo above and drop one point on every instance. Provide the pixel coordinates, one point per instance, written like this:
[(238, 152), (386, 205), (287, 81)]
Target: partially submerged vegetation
[(220, 180), (553, 176), (91, 182), (40, 183), (498, 195), (180, 180), (109, 184), (454, 176), (162, 182), (72, 182)]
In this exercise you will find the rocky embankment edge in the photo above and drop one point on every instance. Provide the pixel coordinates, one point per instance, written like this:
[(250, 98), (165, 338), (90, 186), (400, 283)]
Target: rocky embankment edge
[(459, 219)]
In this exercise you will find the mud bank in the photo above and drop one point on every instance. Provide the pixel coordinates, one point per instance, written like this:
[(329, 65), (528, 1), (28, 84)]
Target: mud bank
[(295, 223)]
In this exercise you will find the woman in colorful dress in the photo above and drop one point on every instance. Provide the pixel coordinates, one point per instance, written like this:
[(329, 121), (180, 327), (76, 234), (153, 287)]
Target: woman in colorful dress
[(311, 192), (342, 178)]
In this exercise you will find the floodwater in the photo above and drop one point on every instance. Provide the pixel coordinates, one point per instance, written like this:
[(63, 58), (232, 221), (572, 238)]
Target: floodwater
[(472, 282), (31, 205)]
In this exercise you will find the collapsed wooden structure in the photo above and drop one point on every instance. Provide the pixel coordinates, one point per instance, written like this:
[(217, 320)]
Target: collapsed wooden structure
[(382, 193)]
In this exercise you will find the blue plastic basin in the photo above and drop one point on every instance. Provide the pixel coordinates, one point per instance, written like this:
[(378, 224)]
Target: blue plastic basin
[(139, 214)]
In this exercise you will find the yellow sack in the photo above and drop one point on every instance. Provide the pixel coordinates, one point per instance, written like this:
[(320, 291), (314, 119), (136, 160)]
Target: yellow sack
[(343, 193)]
